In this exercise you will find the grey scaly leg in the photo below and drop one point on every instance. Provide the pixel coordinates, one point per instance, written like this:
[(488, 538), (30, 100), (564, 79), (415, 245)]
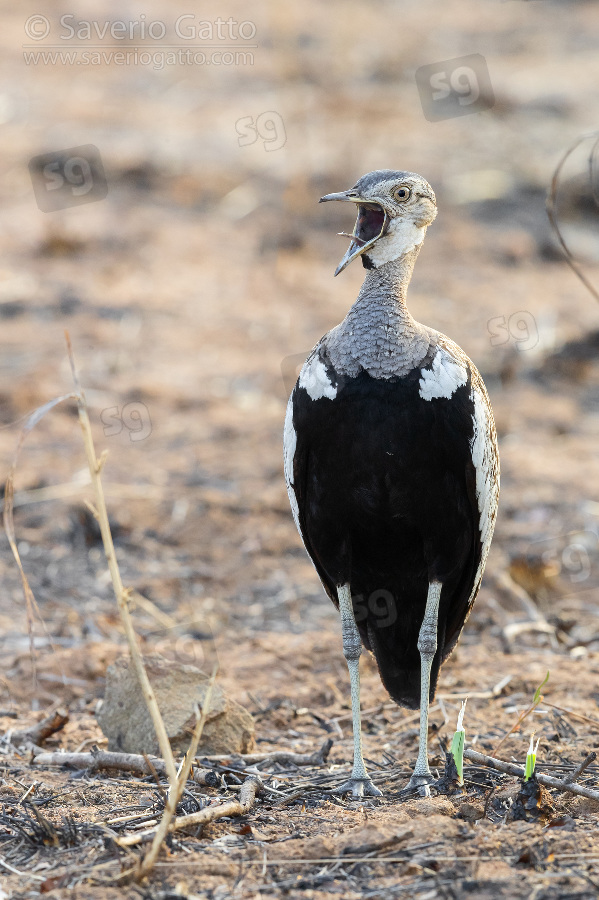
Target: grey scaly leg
[(360, 782), (427, 645)]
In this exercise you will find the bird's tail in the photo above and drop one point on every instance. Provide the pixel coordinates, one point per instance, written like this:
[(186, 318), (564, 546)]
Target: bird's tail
[(401, 672)]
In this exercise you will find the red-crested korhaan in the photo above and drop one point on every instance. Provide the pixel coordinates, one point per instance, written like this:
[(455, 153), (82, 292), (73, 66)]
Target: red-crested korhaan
[(392, 467)]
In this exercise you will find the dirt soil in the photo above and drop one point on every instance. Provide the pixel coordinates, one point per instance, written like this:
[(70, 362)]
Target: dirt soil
[(191, 291)]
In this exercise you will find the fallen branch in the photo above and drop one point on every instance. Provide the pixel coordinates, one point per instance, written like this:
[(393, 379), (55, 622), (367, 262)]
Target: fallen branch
[(511, 769), (37, 734), (283, 757), (479, 695), (247, 797), (121, 762)]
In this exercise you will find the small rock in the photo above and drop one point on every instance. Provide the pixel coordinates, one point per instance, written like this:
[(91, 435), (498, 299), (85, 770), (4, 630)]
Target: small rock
[(584, 806), (126, 722), (471, 812), (429, 806)]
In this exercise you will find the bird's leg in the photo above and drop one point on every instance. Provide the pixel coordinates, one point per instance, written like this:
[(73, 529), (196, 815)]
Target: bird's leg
[(360, 782), (427, 645)]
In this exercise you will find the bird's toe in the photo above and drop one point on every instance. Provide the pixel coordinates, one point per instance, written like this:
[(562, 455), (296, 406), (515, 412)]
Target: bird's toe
[(358, 787), (420, 783)]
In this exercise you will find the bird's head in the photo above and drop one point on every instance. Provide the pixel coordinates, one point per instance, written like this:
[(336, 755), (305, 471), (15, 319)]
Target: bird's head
[(394, 210)]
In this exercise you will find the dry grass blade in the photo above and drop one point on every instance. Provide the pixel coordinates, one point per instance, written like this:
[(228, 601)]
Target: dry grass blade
[(122, 599), (570, 712), (9, 523), (95, 467), (552, 211), (175, 791), (9, 868), (176, 783)]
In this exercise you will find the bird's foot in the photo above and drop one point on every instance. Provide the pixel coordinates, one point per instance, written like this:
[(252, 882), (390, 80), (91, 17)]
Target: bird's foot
[(420, 783), (358, 787)]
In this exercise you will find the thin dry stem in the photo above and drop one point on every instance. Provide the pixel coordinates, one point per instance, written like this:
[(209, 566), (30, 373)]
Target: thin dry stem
[(175, 791), (9, 525), (247, 798), (570, 712), (552, 211), (120, 593), (515, 726)]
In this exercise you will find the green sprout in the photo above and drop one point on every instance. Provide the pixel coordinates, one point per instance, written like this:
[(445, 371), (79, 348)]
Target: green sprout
[(531, 758), (538, 696), (457, 744)]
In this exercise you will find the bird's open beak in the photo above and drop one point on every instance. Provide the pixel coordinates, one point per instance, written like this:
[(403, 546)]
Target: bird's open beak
[(370, 225)]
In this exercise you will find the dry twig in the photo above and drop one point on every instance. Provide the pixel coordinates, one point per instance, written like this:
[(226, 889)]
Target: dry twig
[(121, 762), (283, 757), (572, 776), (247, 797), (38, 733), (511, 769)]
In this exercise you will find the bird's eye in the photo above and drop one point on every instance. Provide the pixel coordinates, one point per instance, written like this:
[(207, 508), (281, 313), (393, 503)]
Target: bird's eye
[(402, 194)]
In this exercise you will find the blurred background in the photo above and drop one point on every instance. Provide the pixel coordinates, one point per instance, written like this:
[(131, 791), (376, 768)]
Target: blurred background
[(161, 171)]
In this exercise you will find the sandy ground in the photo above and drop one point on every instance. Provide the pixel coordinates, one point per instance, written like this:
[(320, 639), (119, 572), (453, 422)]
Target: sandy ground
[(191, 290)]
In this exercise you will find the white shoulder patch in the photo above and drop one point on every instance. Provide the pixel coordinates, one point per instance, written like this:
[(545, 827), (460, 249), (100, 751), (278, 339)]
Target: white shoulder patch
[(289, 446), (314, 379), (444, 378)]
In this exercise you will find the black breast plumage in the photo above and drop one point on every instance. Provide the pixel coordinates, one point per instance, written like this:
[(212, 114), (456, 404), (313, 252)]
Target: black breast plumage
[(393, 483)]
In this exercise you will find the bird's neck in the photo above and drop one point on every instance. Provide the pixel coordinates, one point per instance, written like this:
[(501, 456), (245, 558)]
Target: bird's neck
[(379, 333), (387, 287)]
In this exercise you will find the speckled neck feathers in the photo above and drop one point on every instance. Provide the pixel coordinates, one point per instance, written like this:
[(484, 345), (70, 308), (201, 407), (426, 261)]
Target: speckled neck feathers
[(379, 334)]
